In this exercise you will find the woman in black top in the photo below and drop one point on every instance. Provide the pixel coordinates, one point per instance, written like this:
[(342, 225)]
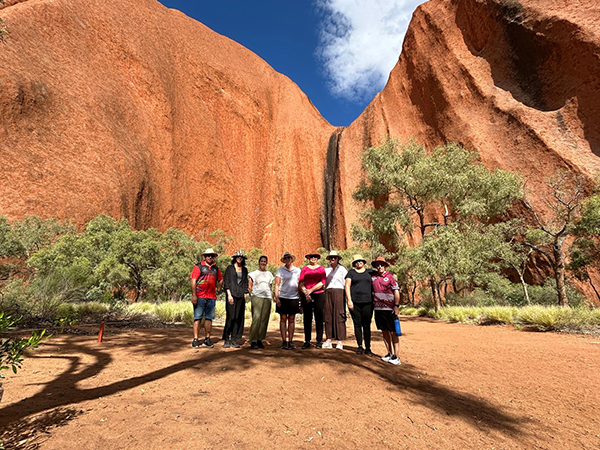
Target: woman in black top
[(236, 289), (359, 295)]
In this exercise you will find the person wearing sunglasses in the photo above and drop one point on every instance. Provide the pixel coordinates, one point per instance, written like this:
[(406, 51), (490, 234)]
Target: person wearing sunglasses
[(287, 299), (386, 293)]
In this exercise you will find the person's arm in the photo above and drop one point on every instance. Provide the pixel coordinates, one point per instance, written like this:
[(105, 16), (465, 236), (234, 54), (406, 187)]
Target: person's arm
[(320, 284), (250, 284), (276, 294), (227, 283), (194, 295), (396, 301), (347, 284)]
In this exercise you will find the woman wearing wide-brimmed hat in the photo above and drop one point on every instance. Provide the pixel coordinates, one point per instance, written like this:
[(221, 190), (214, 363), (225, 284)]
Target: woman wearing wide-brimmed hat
[(287, 299), (335, 308), (359, 295), (387, 301), (311, 283), (236, 289)]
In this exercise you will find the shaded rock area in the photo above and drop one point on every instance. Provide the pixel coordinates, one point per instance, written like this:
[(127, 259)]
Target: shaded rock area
[(132, 109)]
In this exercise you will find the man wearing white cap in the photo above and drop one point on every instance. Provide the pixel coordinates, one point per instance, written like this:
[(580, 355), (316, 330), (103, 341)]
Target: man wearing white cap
[(206, 280)]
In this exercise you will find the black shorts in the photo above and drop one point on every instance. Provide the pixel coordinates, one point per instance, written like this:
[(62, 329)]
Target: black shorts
[(385, 320), (289, 306)]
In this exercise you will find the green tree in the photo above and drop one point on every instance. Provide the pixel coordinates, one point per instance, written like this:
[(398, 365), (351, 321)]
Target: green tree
[(550, 236), (585, 251), (407, 188)]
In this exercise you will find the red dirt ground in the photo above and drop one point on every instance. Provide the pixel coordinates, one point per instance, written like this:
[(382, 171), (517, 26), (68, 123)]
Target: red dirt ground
[(459, 386)]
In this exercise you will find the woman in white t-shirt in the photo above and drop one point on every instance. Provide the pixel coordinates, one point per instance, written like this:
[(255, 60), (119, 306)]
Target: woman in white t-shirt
[(287, 299), (259, 286)]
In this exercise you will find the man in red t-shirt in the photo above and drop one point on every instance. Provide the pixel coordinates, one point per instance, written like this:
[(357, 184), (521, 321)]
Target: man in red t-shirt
[(206, 279)]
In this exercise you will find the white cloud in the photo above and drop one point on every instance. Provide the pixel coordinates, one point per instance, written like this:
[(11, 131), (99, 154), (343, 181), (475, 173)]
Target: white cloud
[(359, 43)]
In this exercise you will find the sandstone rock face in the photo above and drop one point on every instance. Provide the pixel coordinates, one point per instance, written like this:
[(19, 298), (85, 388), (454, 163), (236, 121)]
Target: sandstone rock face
[(132, 109), (519, 81)]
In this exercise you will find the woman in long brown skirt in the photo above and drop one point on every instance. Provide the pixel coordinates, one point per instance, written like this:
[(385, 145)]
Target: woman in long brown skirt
[(335, 306)]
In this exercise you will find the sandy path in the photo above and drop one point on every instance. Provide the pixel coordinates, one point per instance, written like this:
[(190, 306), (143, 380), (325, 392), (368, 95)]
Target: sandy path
[(459, 386)]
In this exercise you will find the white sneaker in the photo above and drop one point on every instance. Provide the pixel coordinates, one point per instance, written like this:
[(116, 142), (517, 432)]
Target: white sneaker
[(327, 345), (387, 357), (395, 360), (339, 346)]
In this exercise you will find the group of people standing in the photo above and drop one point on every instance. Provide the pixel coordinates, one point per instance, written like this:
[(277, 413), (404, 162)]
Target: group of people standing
[(314, 291)]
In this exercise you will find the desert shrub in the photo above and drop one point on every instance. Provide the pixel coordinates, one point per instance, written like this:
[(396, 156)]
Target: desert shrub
[(499, 314)]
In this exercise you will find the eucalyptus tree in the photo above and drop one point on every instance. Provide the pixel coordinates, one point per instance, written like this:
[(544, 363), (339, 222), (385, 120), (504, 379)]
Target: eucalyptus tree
[(550, 235), (407, 188)]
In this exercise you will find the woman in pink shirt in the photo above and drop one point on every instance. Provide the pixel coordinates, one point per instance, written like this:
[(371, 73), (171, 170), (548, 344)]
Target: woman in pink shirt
[(311, 284)]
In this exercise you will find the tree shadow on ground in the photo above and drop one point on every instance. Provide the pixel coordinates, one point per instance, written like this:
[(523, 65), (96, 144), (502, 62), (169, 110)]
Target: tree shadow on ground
[(64, 389), (28, 433)]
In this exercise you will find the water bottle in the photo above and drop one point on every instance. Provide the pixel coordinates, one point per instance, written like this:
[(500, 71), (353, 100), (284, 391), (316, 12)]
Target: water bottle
[(397, 327)]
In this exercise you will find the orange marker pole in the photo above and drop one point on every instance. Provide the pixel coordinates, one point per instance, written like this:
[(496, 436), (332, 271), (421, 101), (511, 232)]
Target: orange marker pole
[(101, 333)]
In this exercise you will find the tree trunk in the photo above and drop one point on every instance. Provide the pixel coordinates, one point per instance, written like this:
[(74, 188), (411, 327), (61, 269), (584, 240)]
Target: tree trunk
[(524, 285), (559, 272), (436, 295)]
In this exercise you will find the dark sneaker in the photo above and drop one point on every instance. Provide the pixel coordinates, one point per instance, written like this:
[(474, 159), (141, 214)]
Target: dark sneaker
[(195, 343), (360, 351), (253, 346), (305, 345), (368, 352), (234, 344), (207, 343), (284, 345), (259, 344), (319, 345), (226, 344), (291, 346)]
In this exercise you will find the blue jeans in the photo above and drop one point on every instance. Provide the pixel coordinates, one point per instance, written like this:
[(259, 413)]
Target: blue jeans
[(205, 307)]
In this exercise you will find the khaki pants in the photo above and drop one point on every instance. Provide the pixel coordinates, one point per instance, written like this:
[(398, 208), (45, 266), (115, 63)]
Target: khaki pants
[(261, 311)]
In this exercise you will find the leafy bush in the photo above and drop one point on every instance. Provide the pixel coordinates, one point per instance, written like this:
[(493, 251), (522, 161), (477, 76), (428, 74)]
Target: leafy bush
[(11, 349), (545, 318)]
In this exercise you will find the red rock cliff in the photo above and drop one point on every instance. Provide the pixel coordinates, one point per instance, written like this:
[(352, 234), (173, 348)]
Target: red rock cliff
[(132, 109), (519, 81)]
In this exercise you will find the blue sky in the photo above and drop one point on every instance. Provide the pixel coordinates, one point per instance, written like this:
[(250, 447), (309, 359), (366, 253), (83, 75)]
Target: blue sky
[(339, 52)]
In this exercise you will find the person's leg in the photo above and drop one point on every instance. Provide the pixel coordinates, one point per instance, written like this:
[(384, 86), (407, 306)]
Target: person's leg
[(356, 319), (328, 315), (265, 315), (339, 315), (387, 338), (283, 320), (239, 317), (396, 344), (291, 327), (307, 309), (366, 318), (229, 320), (209, 315), (319, 304), (196, 328), (255, 307)]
